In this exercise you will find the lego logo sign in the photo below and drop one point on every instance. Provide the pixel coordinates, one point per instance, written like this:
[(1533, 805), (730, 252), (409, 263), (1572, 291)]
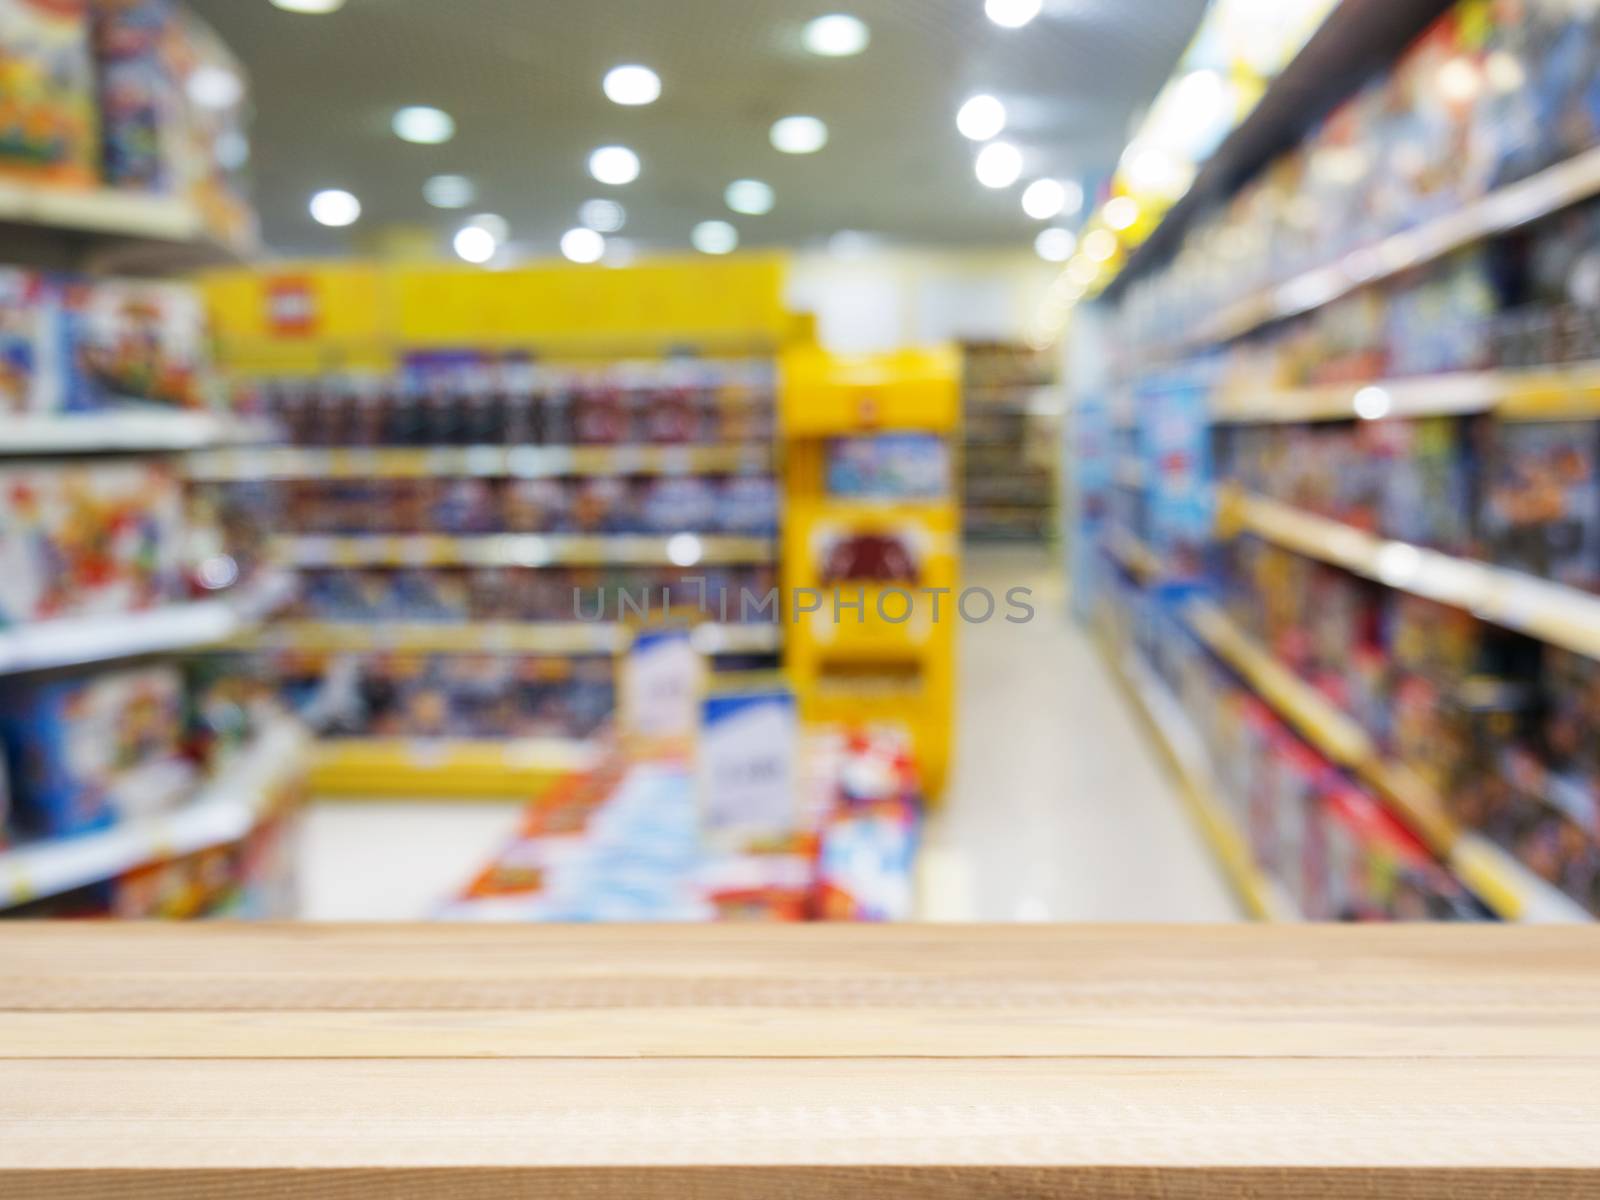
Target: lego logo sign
[(291, 307)]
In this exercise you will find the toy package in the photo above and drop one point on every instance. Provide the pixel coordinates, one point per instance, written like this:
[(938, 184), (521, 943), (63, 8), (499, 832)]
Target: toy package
[(89, 538), (30, 366), (909, 466), (1543, 511), (141, 104), (48, 126), (134, 341), (88, 751)]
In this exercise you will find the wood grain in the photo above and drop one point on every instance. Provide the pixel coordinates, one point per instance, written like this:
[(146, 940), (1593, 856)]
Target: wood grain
[(341, 1062)]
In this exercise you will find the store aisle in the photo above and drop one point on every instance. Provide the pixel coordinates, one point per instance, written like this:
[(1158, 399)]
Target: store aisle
[(1058, 808)]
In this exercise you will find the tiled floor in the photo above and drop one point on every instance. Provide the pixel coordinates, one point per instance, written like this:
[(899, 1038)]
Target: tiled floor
[(1058, 809)]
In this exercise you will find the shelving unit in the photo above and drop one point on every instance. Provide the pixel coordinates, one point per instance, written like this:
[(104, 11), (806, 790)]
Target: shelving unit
[(519, 550), (1012, 404), (440, 768), (1510, 889), (76, 641), (259, 780), (505, 637), (123, 431), (520, 462), (1550, 612)]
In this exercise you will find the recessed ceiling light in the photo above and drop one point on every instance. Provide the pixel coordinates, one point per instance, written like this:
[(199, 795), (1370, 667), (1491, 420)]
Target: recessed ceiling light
[(981, 118), (1043, 199), (1055, 244), (603, 216), (749, 196), (684, 549), (999, 164), (1100, 245), (1121, 212), (335, 207), (714, 237), (799, 135), (632, 85), (211, 86), (449, 191), (837, 35), (475, 244), (309, 6), (424, 126), (615, 165), (1012, 14), (582, 245)]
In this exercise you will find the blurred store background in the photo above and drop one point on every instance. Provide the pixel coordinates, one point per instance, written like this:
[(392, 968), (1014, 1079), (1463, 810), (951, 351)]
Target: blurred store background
[(971, 459)]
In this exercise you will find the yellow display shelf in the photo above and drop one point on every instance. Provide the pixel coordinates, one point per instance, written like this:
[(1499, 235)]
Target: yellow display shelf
[(1168, 730), (1553, 393), (518, 550), (444, 768), (1499, 211), (1133, 555), (523, 462), (1512, 891), (1559, 615), (494, 637)]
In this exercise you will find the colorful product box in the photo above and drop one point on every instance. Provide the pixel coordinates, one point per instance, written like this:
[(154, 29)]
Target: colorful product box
[(48, 124)]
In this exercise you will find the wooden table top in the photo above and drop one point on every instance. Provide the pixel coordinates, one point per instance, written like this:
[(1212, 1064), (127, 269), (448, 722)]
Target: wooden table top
[(737, 1061)]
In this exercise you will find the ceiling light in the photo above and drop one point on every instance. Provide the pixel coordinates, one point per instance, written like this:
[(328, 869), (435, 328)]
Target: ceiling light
[(837, 35), (1011, 14), (211, 86), (475, 244), (981, 118), (615, 165), (631, 85), (749, 196), (449, 191), (714, 237), (799, 135), (335, 207), (1055, 244), (1100, 245), (424, 126), (1043, 199), (309, 6), (603, 216), (1121, 212), (998, 165), (582, 245)]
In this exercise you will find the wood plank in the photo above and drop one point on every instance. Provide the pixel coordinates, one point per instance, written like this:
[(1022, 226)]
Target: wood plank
[(1178, 1112), (1153, 1027)]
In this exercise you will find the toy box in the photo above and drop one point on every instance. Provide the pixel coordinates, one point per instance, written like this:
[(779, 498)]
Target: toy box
[(88, 751), (48, 125), (1543, 506), (133, 340), (88, 538)]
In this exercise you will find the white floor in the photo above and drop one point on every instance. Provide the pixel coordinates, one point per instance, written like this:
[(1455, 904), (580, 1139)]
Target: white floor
[(1058, 809)]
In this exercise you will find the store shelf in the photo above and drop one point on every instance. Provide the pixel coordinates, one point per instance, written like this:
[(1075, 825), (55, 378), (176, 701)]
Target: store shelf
[(105, 229), (249, 787), (74, 641), (1512, 891), (1133, 555), (141, 430), (496, 637), (1426, 396), (1504, 209), (524, 462), (445, 767), (517, 550), (1186, 754), (1561, 616)]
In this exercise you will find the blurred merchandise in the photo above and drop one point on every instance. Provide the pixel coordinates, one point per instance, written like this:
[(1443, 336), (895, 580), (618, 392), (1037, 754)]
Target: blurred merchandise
[(1012, 412), (49, 125)]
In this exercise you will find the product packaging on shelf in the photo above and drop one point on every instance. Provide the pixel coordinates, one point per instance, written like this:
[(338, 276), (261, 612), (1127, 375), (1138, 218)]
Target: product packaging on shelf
[(48, 121)]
